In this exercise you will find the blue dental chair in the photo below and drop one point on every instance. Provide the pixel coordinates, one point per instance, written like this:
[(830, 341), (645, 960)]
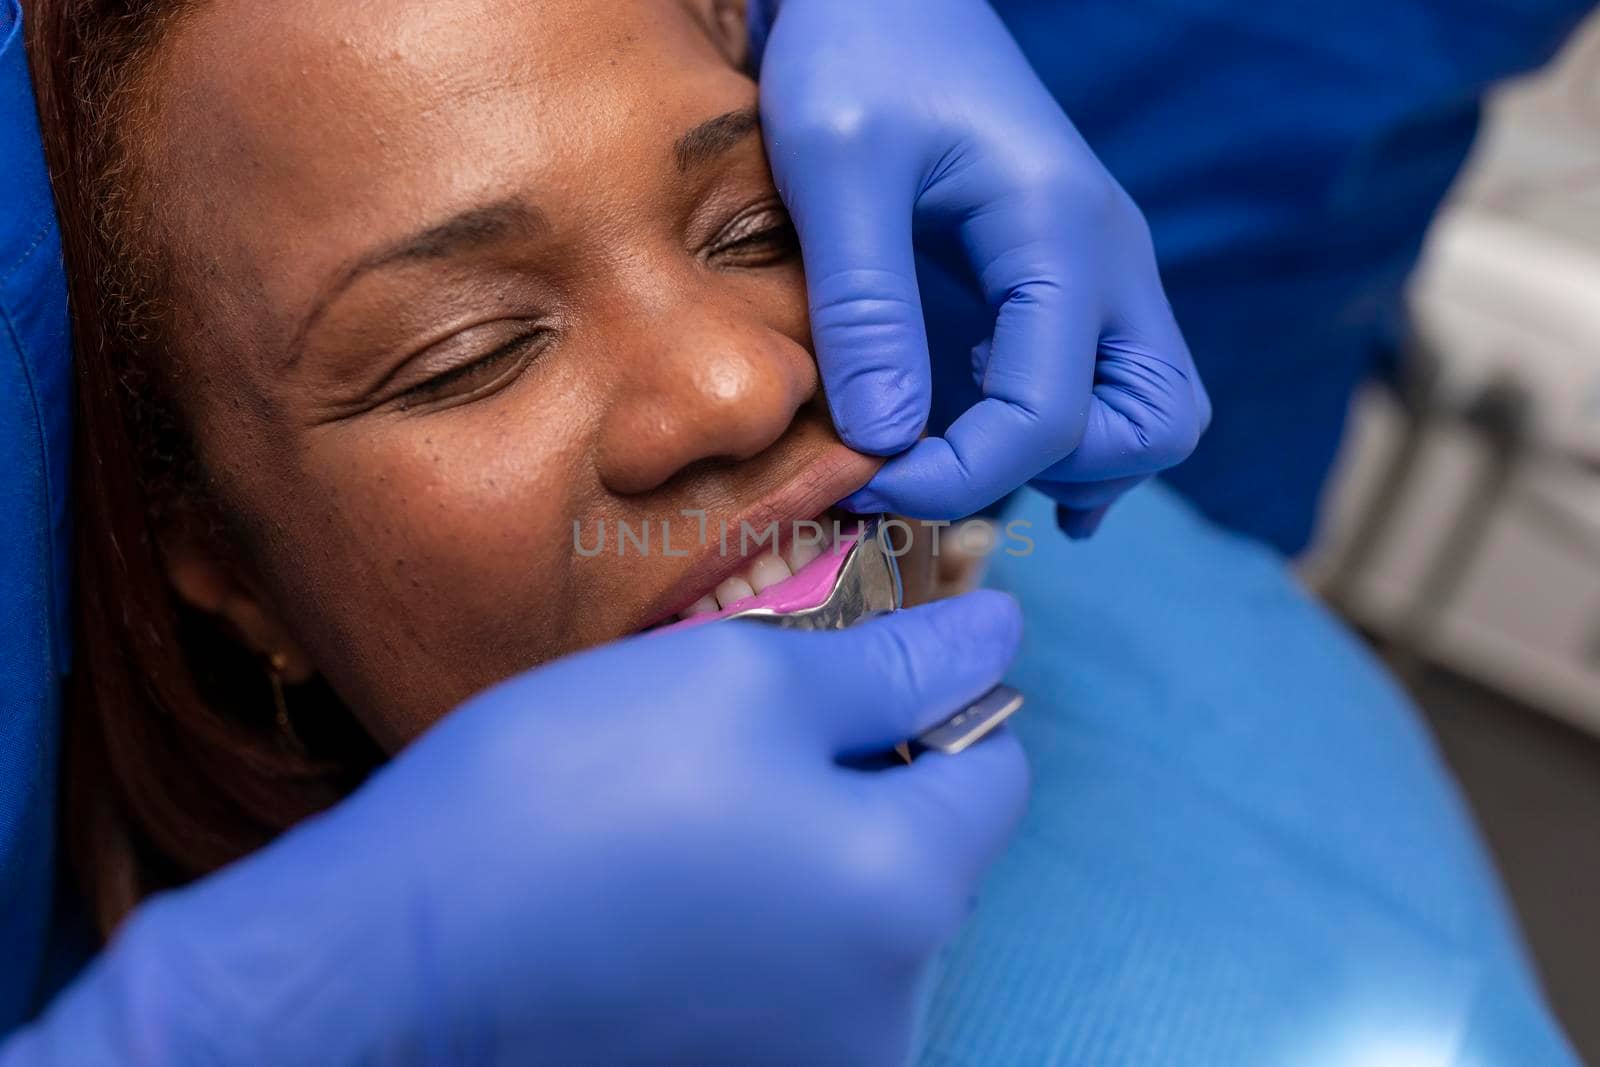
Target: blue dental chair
[(34, 579), (1243, 849)]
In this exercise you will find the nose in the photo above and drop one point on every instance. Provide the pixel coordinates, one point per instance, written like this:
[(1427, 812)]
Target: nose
[(705, 380)]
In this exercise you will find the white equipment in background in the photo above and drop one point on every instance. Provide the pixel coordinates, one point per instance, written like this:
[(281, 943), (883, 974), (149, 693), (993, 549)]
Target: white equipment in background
[(1464, 524)]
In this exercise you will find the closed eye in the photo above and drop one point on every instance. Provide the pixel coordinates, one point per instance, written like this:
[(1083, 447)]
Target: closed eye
[(477, 377), (762, 236)]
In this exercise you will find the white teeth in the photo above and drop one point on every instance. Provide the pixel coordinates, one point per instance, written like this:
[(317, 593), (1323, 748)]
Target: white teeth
[(800, 553), (768, 571), (733, 590), (763, 572), (706, 605)]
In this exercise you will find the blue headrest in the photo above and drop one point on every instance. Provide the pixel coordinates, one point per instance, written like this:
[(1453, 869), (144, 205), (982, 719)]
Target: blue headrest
[(35, 434)]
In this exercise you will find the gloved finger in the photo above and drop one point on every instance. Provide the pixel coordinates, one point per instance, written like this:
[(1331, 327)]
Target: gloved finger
[(1088, 496), (1082, 507), (966, 806), (1149, 407), (855, 226), (1080, 524), (1035, 383), (1144, 419), (888, 680)]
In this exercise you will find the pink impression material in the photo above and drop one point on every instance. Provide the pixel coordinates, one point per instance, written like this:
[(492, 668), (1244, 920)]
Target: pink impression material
[(808, 589)]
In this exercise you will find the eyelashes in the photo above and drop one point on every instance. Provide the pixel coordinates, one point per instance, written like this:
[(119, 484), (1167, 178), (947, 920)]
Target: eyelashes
[(479, 376), (761, 236)]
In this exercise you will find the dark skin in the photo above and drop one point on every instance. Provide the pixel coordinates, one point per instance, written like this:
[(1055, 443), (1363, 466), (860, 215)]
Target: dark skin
[(472, 270)]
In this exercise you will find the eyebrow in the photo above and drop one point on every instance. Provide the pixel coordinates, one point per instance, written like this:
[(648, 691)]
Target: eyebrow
[(712, 138), (489, 223), (475, 227)]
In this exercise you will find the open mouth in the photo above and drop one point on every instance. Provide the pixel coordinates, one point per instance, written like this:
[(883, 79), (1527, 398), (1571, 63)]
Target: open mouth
[(796, 577)]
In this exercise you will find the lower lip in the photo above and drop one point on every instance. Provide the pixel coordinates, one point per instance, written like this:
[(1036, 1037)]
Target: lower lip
[(808, 589)]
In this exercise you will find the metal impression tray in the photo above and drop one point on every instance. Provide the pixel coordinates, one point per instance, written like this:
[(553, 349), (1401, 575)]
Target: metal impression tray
[(868, 584)]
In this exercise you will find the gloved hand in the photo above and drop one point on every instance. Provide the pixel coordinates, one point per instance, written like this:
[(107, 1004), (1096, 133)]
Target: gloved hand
[(645, 854), (884, 114)]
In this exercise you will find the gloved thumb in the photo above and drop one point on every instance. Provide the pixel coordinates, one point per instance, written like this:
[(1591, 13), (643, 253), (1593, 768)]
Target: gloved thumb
[(886, 681), (854, 218)]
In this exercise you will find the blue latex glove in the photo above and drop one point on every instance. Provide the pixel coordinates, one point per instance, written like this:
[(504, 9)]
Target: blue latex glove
[(885, 115), (644, 854)]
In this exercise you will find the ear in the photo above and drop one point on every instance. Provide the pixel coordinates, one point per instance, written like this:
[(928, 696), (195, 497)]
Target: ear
[(209, 582)]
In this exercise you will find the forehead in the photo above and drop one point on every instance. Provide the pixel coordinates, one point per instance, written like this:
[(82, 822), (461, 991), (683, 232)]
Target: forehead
[(294, 134)]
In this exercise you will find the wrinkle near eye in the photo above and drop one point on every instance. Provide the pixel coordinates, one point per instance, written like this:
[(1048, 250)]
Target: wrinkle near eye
[(386, 335)]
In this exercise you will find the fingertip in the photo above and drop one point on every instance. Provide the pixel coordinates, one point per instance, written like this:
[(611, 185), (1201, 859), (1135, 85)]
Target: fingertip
[(879, 420), (926, 482), (865, 502), (925, 663), (985, 618), (1080, 525), (887, 438), (1002, 610), (879, 400)]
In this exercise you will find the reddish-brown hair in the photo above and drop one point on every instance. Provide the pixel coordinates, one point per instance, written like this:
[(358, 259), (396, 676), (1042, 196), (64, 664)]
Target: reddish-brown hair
[(174, 763)]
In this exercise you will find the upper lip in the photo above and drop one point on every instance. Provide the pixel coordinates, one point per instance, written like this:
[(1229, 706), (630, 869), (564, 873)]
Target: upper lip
[(830, 477)]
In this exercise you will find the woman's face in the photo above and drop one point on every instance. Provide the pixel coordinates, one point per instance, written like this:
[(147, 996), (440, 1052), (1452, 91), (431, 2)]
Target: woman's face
[(459, 274)]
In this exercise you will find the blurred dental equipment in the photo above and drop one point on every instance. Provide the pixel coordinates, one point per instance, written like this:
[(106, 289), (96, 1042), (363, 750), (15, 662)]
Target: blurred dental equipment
[(1464, 528)]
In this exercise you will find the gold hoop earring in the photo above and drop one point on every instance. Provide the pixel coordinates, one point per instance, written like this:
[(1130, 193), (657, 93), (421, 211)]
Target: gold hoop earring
[(277, 663)]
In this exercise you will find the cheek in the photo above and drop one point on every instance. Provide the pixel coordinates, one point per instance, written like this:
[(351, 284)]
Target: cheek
[(773, 297), (433, 556), (782, 295)]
